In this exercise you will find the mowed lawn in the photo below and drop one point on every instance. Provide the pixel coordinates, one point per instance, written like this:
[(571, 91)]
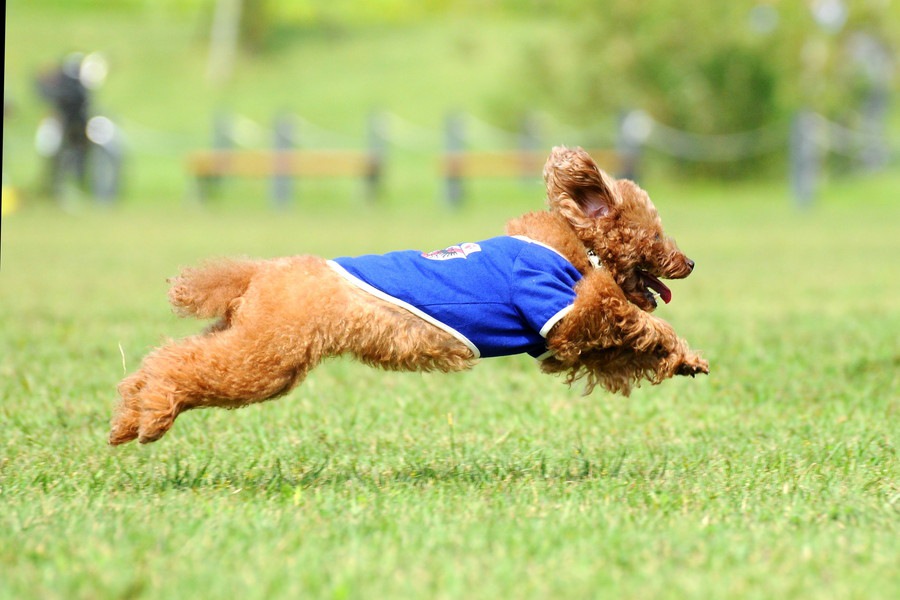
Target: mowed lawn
[(775, 477)]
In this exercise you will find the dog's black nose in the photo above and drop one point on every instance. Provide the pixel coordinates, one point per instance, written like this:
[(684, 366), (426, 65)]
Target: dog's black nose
[(690, 264)]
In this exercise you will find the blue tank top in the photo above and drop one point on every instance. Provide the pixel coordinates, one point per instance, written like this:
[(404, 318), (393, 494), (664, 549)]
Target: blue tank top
[(499, 296)]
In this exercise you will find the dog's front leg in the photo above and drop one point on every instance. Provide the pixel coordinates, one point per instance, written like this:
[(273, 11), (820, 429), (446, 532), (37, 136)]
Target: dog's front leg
[(603, 319)]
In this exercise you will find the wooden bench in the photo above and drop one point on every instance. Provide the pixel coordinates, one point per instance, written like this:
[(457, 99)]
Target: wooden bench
[(284, 165)]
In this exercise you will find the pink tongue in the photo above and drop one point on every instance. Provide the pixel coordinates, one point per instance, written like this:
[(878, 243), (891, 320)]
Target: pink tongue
[(659, 287)]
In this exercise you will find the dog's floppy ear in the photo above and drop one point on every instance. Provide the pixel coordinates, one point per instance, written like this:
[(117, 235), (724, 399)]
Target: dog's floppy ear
[(577, 187)]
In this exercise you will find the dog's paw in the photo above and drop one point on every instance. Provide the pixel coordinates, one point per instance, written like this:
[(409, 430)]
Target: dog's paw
[(693, 365), (122, 433)]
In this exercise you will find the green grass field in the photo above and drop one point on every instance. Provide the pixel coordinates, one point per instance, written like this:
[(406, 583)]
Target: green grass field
[(775, 477)]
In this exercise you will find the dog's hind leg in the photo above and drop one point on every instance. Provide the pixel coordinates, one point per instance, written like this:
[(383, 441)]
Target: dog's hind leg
[(127, 419), (221, 369), (292, 314)]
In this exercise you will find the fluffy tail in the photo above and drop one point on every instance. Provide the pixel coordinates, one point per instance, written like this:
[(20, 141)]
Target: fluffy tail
[(211, 290)]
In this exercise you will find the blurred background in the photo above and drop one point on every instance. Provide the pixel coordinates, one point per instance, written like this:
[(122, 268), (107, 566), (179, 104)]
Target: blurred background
[(143, 135), (161, 102)]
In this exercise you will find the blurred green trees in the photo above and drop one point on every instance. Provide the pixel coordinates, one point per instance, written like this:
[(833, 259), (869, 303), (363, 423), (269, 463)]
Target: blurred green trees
[(703, 66), (719, 67)]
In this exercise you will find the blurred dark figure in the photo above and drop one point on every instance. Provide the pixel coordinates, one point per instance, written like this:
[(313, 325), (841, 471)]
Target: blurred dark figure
[(77, 143), (64, 138)]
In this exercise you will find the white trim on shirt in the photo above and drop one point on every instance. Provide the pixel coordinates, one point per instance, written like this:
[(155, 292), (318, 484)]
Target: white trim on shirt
[(405, 305), (525, 238), (545, 330)]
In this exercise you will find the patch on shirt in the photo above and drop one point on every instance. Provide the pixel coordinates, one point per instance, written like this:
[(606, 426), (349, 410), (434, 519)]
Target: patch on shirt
[(460, 251)]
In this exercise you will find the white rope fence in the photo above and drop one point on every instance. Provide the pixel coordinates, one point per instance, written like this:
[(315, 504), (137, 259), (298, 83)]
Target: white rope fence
[(806, 140), (637, 127), (716, 148)]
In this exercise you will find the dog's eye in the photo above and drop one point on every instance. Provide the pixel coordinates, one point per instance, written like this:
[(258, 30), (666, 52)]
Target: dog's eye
[(658, 237)]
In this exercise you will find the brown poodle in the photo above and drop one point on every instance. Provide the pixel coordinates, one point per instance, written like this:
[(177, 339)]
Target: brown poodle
[(573, 286)]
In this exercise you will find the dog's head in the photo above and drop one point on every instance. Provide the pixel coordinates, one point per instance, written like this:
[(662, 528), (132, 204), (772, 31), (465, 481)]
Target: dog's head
[(615, 221)]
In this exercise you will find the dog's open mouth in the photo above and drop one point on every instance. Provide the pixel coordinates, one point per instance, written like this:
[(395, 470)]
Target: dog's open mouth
[(653, 287)]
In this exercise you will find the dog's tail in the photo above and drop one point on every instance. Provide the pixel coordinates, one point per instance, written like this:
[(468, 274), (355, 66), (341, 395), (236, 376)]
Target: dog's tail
[(211, 290)]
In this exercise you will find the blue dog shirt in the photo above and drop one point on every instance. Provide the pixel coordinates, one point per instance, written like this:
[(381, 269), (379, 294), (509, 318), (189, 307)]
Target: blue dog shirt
[(499, 296)]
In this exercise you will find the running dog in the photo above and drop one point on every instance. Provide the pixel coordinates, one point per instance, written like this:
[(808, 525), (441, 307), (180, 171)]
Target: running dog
[(573, 285)]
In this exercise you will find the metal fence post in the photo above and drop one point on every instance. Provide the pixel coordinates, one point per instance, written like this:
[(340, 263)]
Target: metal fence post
[(633, 130), (377, 134), (455, 133), (222, 141), (529, 146), (805, 158), (282, 179)]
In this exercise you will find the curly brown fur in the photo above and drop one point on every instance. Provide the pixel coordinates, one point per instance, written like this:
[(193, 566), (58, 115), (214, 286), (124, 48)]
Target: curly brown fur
[(277, 319), (609, 338), (292, 313)]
